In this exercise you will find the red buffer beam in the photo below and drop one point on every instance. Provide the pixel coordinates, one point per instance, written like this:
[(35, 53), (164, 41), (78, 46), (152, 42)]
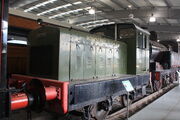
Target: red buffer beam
[(61, 88)]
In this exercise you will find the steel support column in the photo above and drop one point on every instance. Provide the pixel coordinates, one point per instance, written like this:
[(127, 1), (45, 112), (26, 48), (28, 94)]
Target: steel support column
[(4, 95)]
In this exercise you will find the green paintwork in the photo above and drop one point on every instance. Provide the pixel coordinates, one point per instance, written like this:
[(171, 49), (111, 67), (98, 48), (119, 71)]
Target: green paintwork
[(77, 48), (100, 58), (109, 57), (64, 50), (131, 55), (82, 56), (89, 57), (44, 52), (142, 55), (122, 50), (137, 51)]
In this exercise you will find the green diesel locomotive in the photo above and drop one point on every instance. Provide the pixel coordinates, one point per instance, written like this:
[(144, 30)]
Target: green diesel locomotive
[(93, 65)]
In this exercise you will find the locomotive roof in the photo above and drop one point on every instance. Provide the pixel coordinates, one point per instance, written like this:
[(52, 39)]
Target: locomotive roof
[(125, 24)]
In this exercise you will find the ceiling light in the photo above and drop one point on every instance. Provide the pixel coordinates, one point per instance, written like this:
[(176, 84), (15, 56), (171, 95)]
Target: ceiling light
[(39, 5), (178, 40), (87, 8), (131, 16), (95, 25), (91, 11), (96, 21), (17, 42), (76, 3), (65, 13), (69, 12), (129, 6), (53, 9), (152, 19)]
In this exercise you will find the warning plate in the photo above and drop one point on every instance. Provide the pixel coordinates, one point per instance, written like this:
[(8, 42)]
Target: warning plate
[(128, 86)]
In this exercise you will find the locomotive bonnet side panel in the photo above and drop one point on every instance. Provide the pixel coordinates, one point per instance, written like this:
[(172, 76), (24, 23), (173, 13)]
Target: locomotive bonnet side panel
[(89, 56), (100, 58), (44, 52), (64, 52), (76, 56)]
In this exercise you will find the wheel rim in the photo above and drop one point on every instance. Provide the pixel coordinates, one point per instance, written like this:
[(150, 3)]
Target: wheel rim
[(97, 112), (157, 85), (124, 100)]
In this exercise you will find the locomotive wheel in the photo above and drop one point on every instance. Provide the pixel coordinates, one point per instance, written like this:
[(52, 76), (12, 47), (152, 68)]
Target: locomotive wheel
[(165, 81), (124, 100), (98, 114), (97, 111), (176, 76), (157, 85)]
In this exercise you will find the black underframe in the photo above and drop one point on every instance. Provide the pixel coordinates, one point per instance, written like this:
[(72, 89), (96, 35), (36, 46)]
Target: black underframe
[(81, 95)]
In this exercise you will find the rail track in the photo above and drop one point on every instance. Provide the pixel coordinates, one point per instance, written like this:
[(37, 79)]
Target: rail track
[(140, 104)]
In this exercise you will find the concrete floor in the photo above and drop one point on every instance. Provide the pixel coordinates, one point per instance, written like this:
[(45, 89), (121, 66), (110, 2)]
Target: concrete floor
[(167, 107)]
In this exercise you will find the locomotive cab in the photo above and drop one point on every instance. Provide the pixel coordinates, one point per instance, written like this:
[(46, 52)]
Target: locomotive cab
[(137, 40)]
